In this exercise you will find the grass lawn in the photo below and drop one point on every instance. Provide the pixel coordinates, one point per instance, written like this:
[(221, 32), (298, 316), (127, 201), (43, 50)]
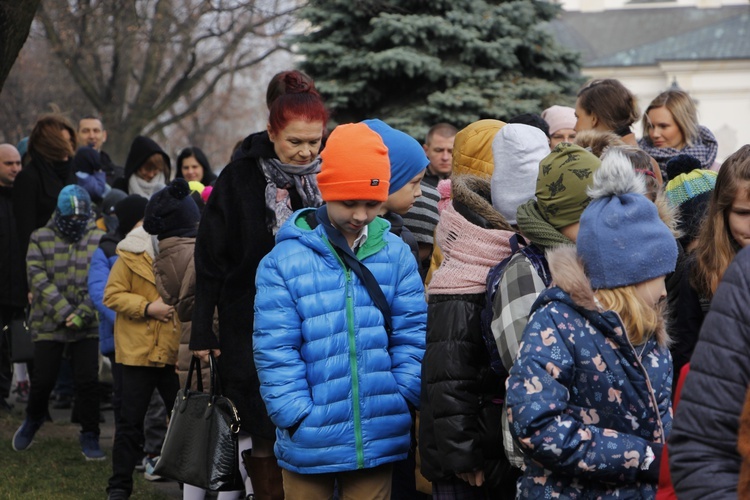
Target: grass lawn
[(53, 467)]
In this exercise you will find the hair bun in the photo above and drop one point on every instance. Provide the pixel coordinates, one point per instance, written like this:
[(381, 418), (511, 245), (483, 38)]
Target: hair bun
[(682, 164), (297, 85), (179, 188)]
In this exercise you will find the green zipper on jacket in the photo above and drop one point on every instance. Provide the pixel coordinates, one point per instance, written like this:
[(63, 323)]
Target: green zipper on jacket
[(353, 368)]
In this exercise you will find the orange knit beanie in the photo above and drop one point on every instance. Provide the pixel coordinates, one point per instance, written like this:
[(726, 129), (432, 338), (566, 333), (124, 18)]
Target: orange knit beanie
[(355, 165)]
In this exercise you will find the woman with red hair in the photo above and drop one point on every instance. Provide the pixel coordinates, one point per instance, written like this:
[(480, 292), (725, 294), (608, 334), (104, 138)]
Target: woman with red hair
[(271, 175)]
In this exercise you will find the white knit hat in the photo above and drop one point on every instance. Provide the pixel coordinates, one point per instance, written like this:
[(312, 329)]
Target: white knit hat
[(517, 150)]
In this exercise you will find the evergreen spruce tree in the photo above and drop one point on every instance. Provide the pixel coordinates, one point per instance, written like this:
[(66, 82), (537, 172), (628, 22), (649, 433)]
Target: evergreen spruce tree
[(414, 63)]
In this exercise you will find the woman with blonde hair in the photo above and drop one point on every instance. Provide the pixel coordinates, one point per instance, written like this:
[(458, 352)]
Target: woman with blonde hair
[(589, 395), (670, 127)]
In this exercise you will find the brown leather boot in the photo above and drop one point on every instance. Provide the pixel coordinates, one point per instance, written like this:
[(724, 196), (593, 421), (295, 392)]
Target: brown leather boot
[(265, 474)]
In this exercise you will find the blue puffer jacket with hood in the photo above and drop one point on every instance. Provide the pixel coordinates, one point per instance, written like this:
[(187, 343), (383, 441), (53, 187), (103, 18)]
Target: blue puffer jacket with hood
[(335, 384)]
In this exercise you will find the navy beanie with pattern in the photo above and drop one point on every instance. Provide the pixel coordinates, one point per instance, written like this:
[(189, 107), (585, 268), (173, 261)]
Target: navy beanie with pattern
[(406, 155), (622, 240), (172, 212)]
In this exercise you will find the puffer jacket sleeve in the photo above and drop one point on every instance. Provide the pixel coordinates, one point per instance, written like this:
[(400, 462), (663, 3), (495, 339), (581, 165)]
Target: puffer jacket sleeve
[(451, 382), (44, 290), (546, 431), (703, 455), (409, 317), (118, 294), (174, 273), (98, 275), (277, 339)]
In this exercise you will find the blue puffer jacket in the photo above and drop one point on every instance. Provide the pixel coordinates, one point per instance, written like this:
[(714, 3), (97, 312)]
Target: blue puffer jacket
[(583, 403), (101, 265), (327, 367)]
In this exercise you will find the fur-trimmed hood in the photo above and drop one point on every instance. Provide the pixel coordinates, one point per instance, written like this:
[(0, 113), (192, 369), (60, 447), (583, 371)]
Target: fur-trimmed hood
[(475, 194), (569, 275), (137, 241)]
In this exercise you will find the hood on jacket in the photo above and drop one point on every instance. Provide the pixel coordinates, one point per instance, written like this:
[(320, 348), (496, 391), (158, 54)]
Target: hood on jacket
[(472, 199), (140, 150), (137, 241), (472, 148), (568, 274)]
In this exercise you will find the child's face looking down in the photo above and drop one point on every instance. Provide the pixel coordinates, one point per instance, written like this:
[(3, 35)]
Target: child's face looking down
[(351, 216)]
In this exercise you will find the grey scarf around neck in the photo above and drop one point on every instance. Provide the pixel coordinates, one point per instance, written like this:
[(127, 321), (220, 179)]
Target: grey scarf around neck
[(280, 177)]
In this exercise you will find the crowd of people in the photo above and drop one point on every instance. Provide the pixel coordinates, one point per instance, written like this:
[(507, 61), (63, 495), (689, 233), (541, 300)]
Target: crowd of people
[(509, 310)]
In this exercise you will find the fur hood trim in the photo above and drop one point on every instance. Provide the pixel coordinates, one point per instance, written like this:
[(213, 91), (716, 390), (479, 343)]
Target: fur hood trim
[(137, 241), (476, 194), (668, 213), (569, 275), (598, 142), (616, 176)]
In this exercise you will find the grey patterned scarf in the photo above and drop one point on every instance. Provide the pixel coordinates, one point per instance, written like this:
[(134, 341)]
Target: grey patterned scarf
[(280, 177), (705, 149)]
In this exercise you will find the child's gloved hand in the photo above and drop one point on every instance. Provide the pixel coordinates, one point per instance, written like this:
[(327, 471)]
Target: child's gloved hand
[(74, 322)]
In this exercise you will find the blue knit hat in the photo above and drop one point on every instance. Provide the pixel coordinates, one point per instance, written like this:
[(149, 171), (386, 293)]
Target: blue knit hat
[(622, 240), (406, 155), (73, 200)]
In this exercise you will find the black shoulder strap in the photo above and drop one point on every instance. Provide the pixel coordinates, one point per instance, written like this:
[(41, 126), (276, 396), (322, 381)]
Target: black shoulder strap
[(352, 262)]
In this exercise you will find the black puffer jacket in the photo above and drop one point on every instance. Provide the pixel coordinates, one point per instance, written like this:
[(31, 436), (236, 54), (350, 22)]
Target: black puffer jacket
[(462, 397), (703, 455)]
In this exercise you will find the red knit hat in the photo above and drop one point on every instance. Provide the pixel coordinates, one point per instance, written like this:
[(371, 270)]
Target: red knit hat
[(355, 165)]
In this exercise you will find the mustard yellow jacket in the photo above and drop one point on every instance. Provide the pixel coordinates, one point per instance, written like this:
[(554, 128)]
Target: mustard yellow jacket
[(139, 341)]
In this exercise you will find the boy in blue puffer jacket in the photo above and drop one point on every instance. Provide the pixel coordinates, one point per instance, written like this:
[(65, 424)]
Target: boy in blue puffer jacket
[(339, 330)]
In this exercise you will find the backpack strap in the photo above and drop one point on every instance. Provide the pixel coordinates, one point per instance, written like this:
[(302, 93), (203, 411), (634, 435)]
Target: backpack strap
[(351, 261)]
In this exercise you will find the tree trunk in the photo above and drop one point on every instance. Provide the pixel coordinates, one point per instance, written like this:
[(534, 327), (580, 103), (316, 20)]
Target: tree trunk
[(15, 22)]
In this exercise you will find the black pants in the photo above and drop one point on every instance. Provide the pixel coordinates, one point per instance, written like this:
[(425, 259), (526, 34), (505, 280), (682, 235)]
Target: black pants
[(116, 387), (84, 358), (138, 384), (7, 313)]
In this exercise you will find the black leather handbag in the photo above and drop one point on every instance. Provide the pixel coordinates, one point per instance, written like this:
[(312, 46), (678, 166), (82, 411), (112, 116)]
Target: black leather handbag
[(201, 444), (18, 337)]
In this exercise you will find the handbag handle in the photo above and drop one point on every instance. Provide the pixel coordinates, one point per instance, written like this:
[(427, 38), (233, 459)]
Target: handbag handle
[(194, 363), (214, 383)]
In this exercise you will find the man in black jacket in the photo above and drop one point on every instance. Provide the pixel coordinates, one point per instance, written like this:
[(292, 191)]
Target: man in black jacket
[(91, 132), (12, 263)]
